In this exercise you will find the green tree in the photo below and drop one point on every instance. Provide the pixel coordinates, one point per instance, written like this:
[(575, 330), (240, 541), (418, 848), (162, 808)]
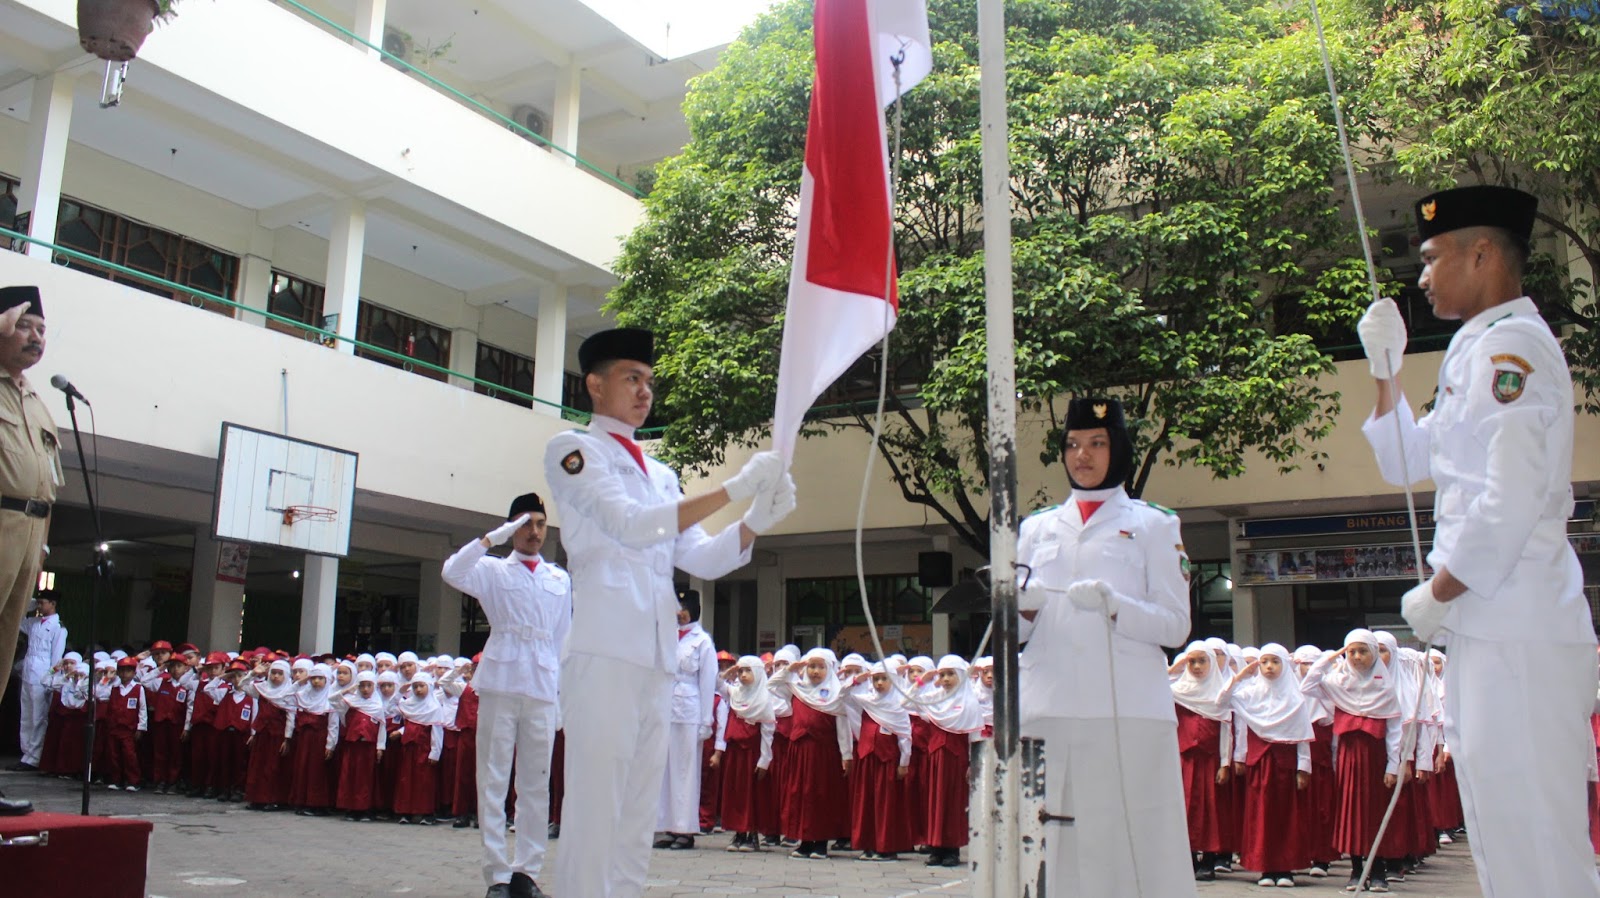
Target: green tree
[(1173, 164), (1497, 92)]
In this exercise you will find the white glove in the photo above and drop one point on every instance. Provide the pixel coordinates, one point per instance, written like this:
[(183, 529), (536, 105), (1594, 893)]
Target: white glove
[(705, 733), (1383, 338), (760, 473), (1423, 612), (500, 534), (771, 507), (1093, 595)]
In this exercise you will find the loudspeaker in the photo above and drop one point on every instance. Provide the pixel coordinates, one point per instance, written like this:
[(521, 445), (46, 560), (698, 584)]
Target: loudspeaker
[(935, 569)]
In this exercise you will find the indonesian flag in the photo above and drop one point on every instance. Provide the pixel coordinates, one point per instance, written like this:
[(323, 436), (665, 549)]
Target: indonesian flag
[(842, 296)]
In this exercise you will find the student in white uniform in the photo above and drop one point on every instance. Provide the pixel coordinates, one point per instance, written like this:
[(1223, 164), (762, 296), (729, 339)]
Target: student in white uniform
[(47, 641), (1507, 590), (528, 602), (694, 692), (626, 524), (1106, 571)]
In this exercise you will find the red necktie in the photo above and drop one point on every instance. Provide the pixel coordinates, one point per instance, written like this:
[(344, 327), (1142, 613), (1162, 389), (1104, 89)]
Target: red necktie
[(633, 450), (1087, 508), (532, 566)]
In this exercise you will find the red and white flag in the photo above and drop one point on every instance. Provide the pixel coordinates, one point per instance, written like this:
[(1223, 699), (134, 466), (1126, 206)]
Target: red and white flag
[(839, 306)]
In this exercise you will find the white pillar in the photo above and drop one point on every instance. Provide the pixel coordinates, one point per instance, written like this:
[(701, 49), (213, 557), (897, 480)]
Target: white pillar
[(941, 635), (1244, 597), (141, 616), (346, 244), (464, 353), (438, 610), (319, 593), (564, 118), (708, 602), (770, 612), (370, 16), (550, 350), (48, 123), (255, 288), (216, 607)]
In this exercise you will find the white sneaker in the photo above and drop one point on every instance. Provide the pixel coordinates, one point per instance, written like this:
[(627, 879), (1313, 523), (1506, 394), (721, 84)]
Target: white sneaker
[(131, 788), (1286, 882), (1444, 839), (1265, 882), (1319, 871), (114, 787)]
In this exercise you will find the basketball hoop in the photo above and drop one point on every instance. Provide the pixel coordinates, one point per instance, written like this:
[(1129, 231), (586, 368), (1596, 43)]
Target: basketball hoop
[(294, 513)]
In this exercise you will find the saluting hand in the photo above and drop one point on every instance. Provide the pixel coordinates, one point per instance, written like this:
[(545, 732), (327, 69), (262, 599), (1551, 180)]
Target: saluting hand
[(9, 319), (500, 534)]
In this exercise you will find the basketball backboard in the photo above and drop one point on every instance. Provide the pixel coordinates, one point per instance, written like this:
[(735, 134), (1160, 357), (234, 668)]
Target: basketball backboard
[(279, 491)]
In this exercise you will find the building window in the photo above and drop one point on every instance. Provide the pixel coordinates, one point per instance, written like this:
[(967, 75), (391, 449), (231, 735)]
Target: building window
[(411, 337), (295, 298), (8, 211), (141, 247), (506, 368), (1211, 599)]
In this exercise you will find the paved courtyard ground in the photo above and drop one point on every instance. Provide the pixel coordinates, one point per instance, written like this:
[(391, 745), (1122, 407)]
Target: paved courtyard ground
[(206, 848)]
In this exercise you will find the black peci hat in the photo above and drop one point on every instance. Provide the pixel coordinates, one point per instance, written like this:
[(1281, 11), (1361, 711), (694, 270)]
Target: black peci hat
[(633, 343), (1480, 206), (527, 503), (11, 297), (1092, 413)]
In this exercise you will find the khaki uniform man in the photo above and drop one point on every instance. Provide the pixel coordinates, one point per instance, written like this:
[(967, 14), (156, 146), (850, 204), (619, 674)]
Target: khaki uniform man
[(30, 471)]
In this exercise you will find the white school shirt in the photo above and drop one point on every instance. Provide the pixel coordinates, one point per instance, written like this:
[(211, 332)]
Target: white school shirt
[(1498, 446), (1137, 549), (619, 525), (530, 617), (694, 679)]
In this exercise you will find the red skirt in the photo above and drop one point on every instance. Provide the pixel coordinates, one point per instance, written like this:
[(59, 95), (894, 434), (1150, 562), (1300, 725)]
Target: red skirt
[(268, 779), (358, 769), (1324, 795), (880, 818), (818, 804), (464, 803), (1204, 801), (946, 809), (778, 775), (1447, 813), (416, 782), (445, 781), (710, 784), (1276, 831), (749, 799), (63, 741), (1362, 796), (308, 785)]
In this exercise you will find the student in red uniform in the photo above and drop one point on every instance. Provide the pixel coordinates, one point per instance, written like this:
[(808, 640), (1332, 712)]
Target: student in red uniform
[(749, 803), (314, 735), (956, 715), (1366, 720), (921, 730), (880, 809), (711, 774), (394, 725), (1406, 839), (1205, 740), (168, 695), (362, 740), (68, 685), (198, 732), (232, 722), (127, 718), (818, 806), (421, 743), (1278, 766), (266, 785), (1447, 815), (778, 670), (1324, 799), (464, 779)]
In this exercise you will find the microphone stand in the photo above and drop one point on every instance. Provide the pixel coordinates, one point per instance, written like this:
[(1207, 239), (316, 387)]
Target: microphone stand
[(100, 569)]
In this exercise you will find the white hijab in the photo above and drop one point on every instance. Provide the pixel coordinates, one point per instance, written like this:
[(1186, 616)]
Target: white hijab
[(1321, 711), (312, 700), (827, 696), (281, 696), (1200, 695), (753, 703), (955, 710), (1274, 709), (372, 707), (426, 710), (1370, 694), (887, 708)]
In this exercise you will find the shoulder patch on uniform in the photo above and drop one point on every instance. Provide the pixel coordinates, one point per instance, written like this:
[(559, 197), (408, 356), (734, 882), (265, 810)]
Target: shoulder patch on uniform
[(1510, 377), (572, 462), (1500, 319), (1161, 508)]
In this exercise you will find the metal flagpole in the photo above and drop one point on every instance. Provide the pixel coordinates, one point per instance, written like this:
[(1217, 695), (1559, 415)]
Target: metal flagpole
[(999, 876)]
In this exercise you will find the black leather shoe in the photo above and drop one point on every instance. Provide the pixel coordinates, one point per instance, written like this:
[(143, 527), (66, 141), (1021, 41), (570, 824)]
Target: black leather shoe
[(21, 767), (461, 823), (553, 831), (14, 807), (682, 843), (663, 842), (523, 886)]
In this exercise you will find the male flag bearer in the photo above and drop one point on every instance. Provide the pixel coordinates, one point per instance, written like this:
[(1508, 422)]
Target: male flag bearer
[(626, 524), (1507, 591)]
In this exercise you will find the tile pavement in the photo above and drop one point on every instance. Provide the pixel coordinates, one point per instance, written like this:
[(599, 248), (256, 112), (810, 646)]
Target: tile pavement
[(207, 848)]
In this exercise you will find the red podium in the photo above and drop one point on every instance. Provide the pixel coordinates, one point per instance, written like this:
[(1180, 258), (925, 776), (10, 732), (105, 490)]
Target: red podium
[(44, 854)]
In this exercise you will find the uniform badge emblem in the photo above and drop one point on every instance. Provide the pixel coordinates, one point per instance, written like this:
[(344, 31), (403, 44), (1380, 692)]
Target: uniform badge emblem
[(1510, 377), (573, 463), (1100, 409), (1429, 210)]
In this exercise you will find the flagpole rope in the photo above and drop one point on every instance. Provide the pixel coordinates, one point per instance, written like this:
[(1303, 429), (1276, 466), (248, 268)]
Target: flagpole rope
[(1408, 738)]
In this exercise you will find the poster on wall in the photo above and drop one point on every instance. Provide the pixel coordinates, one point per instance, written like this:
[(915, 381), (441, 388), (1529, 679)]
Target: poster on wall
[(911, 640), (233, 560), (1326, 564)]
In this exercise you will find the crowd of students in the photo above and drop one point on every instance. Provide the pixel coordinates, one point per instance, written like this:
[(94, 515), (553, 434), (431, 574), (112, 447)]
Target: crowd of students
[(1290, 760)]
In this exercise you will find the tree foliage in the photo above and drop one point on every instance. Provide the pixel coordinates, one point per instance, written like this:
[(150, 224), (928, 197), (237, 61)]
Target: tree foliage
[(1172, 193)]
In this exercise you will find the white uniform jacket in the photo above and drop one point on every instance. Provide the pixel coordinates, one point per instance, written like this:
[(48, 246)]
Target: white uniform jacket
[(620, 529), (530, 616), (1137, 549), (1498, 445), (694, 682), (47, 642)]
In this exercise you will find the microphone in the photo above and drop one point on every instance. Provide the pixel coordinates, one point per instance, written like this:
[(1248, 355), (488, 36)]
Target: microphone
[(60, 382)]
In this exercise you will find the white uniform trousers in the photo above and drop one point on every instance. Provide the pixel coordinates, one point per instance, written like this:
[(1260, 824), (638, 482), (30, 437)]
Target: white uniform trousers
[(1116, 849), (1517, 724), (615, 715), (680, 788), (35, 714), (521, 730)]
